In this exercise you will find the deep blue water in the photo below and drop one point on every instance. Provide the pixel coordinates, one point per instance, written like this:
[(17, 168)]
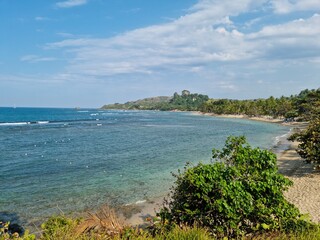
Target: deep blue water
[(80, 159)]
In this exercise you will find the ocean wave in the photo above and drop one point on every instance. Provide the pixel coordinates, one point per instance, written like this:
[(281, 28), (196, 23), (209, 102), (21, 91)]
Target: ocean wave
[(65, 122), (280, 138), (136, 203), (167, 126), (43, 122), (141, 201), (14, 123)]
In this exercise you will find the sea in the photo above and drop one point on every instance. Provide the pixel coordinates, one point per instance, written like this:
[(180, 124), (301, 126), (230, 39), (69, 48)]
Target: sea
[(55, 160)]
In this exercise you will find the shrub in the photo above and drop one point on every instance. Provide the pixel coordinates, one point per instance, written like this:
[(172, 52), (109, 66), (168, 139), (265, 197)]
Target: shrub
[(239, 193), (309, 146), (58, 227), (7, 233)]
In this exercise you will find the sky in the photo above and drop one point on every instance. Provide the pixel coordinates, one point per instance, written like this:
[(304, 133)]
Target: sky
[(87, 53)]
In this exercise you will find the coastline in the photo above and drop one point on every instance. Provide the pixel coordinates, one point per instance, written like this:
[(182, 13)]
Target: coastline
[(304, 194), (268, 119)]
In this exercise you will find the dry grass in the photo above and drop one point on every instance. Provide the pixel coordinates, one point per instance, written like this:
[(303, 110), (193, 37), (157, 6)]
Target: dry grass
[(105, 220)]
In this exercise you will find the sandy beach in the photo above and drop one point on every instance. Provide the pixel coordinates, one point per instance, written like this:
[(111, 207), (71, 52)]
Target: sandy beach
[(304, 194)]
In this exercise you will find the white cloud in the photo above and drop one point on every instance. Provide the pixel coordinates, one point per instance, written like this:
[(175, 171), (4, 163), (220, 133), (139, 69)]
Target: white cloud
[(202, 37), (287, 6), (35, 59), (192, 40), (71, 3), (298, 39), (296, 29)]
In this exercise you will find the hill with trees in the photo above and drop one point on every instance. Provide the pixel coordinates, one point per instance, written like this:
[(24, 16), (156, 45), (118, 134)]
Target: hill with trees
[(185, 102), (141, 104)]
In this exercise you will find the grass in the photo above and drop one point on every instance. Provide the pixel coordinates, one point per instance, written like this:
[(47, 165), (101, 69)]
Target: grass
[(105, 225)]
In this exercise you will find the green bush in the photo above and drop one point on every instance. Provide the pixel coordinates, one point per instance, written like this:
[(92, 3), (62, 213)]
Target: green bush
[(6, 233), (58, 227), (309, 146), (239, 193)]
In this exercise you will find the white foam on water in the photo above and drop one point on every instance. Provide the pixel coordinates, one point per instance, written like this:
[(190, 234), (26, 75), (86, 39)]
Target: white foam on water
[(277, 139), (141, 201), (43, 122), (14, 124)]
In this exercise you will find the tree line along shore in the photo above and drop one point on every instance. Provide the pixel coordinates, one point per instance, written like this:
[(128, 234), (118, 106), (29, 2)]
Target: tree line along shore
[(295, 107), (240, 195)]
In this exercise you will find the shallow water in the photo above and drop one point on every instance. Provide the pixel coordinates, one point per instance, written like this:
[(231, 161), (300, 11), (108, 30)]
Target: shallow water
[(74, 160)]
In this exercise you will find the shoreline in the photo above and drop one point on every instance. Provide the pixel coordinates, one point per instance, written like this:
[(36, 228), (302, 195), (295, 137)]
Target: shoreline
[(304, 194), (268, 119)]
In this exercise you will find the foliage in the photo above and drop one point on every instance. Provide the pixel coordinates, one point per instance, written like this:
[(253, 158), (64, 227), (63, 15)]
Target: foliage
[(241, 192), (307, 104), (275, 107), (6, 233), (64, 228), (185, 233), (309, 142), (143, 104), (185, 102), (312, 233), (302, 106), (58, 227)]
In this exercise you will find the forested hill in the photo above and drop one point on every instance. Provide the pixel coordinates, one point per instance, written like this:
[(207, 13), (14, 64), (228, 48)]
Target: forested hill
[(304, 105), (146, 103), (185, 102)]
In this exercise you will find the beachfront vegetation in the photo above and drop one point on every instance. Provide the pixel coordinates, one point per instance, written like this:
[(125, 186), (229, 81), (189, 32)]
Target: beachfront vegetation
[(240, 193), (7, 232), (309, 142), (309, 138), (299, 107), (63, 232)]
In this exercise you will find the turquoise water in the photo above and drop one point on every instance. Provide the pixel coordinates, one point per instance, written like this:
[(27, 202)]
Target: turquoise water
[(74, 160)]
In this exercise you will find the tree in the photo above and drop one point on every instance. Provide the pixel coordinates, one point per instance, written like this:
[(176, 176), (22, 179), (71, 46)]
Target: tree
[(309, 142), (239, 193), (185, 93)]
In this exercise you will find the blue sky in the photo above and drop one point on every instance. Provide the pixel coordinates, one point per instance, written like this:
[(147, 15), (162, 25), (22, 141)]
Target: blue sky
[(86, 53)]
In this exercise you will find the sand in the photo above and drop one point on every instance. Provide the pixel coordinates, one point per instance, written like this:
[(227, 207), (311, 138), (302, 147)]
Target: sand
[(304, 194), (146, 210), (241, 116)]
